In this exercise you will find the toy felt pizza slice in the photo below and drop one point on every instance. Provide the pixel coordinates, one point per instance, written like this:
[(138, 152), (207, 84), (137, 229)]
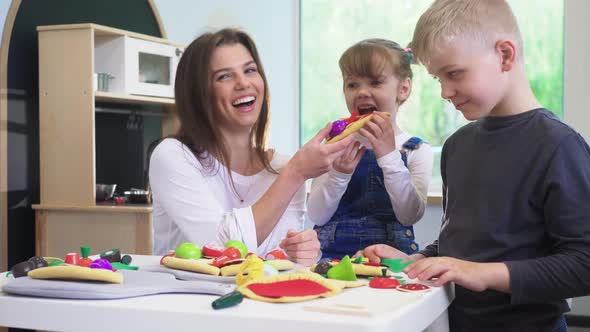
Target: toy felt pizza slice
[(225, 261), (73, 272), (413, 288), (359, 269), (295, 287), (346, 126)]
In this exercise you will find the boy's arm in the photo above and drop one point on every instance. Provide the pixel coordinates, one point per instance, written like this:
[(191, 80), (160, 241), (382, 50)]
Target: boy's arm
[(326, 192), (565, 271)]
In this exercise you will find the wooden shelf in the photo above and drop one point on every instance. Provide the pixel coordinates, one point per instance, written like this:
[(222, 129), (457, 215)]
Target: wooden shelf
[(131, 99), (434, 199), (101, 30), (128, 208)]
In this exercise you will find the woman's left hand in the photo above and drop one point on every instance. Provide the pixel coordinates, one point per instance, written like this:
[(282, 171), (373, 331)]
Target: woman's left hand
[(302, 247), (379, 131)]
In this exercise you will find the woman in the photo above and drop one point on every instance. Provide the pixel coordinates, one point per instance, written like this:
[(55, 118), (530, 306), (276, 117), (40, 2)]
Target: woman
[(216, 181)]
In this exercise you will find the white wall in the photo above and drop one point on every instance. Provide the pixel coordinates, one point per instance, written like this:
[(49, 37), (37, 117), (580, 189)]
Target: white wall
[(274, 26)]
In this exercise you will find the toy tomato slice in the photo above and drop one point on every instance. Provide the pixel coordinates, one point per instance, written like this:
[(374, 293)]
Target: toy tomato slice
[(379, 282), (212, 251), (232, 253), (219, 261), (275, 254)]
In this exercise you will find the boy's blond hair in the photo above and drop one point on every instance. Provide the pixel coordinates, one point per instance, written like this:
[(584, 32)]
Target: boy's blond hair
[(480, 21)]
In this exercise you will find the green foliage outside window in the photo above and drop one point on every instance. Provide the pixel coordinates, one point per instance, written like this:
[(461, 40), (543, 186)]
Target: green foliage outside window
[(329, 27)]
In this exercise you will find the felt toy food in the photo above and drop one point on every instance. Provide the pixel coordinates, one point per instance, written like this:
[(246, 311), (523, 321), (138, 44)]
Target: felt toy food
[(361, 270), (413, 288), (346, 126), (239, 245), (342, 271), (212, 251), (73, 272), (206, 266), (294, 287), (188, 250), (396, 265), (253, 266), (194, 265), (384, 282)]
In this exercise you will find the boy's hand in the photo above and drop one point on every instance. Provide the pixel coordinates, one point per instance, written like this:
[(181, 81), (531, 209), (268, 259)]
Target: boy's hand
[(347, 162), (377, 251), (379, 132), (473, 276), (301, 247)]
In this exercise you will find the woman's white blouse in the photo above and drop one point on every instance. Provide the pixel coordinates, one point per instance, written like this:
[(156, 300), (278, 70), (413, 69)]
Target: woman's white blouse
[(194, 204)]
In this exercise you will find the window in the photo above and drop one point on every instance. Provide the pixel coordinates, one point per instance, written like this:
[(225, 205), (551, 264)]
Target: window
[(328, 28)]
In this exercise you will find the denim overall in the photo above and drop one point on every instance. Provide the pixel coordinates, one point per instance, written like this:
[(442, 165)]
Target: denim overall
[(364, 215)]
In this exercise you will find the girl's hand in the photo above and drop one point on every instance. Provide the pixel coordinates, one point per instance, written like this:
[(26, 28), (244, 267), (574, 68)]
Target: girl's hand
[(301, 247), (379, 132), (473, 276), (347, 162), (377, 251)]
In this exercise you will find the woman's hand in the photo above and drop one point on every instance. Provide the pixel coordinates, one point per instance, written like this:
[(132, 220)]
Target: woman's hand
[(314, 158), (348, 161), (301, 247), (379, 131)]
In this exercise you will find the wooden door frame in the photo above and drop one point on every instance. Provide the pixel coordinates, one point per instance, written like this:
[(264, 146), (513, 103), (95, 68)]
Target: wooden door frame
[(4, 47)]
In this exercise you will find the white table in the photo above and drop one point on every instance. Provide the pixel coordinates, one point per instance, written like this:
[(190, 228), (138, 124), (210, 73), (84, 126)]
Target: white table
[(364, 309)]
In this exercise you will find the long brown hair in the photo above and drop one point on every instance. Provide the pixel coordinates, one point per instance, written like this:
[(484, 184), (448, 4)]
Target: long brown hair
[(198, 128)]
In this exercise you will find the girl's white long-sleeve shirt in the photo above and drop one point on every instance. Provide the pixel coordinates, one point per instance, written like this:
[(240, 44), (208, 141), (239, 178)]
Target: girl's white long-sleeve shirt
[(407, 186), (194, 204)]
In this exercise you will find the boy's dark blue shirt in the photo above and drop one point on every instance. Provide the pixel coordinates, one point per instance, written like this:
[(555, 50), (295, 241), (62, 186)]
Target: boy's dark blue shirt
[(516, 189)]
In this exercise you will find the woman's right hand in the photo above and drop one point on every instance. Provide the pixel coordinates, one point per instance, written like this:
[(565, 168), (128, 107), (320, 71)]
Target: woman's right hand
[(315, 158)]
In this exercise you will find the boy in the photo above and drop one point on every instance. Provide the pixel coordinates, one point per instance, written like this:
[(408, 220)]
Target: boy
[(515, 236)]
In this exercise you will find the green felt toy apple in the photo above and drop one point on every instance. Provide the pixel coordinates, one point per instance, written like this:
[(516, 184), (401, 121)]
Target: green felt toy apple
[(188, 250)]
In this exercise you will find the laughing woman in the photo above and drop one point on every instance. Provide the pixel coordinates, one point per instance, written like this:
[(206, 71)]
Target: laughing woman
[(216, 180)]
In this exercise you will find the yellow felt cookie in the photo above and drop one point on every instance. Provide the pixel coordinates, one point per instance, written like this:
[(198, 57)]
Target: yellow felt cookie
[(353, 127), (295, 287), (74, 272), (192, 265)]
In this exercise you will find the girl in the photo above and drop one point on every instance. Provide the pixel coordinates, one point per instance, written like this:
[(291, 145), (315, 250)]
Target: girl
[(375, 194)]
